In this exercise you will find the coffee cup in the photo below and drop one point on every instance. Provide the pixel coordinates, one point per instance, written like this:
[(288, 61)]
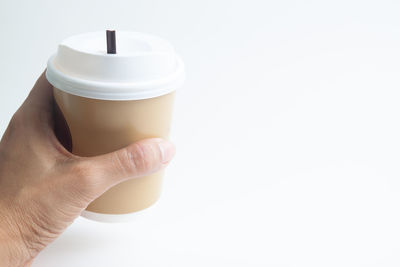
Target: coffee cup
[(110, 100)]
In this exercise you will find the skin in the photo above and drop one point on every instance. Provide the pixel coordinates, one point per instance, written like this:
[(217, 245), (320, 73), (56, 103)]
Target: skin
[(44, 188)]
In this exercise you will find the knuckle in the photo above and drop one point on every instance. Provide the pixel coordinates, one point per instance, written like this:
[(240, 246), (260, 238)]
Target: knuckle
[(141, 158), (14, 125), (15, 120), (85, 185), (84, 172)]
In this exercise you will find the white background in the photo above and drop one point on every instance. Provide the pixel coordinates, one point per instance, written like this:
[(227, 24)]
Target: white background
[(287, 131)]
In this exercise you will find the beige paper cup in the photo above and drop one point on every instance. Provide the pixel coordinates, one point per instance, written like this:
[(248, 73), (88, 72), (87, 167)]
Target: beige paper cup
[(111, 101)]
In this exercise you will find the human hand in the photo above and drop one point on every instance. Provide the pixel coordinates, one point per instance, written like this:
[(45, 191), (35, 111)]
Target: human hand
[(43, 187)]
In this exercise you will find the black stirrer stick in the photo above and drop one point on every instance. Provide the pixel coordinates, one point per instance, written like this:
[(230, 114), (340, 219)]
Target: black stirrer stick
[(111, 44)]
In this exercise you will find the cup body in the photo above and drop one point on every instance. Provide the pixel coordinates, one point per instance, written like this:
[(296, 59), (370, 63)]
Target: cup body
[(102, 126)]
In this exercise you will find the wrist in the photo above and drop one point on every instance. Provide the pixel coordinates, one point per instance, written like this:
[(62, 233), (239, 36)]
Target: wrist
[(9, 255), (13, 250)]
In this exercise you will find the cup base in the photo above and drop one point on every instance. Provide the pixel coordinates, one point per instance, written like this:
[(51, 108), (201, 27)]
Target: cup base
[(111, 218)]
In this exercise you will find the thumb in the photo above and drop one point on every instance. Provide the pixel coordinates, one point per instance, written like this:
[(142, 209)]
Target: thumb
[(139, 159)]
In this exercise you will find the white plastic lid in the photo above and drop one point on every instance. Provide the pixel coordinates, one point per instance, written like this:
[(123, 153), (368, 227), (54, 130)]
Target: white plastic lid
[(144, 66)]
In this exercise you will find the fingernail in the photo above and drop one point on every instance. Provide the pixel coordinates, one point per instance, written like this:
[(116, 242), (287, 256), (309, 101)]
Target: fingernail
[(167, 151)]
